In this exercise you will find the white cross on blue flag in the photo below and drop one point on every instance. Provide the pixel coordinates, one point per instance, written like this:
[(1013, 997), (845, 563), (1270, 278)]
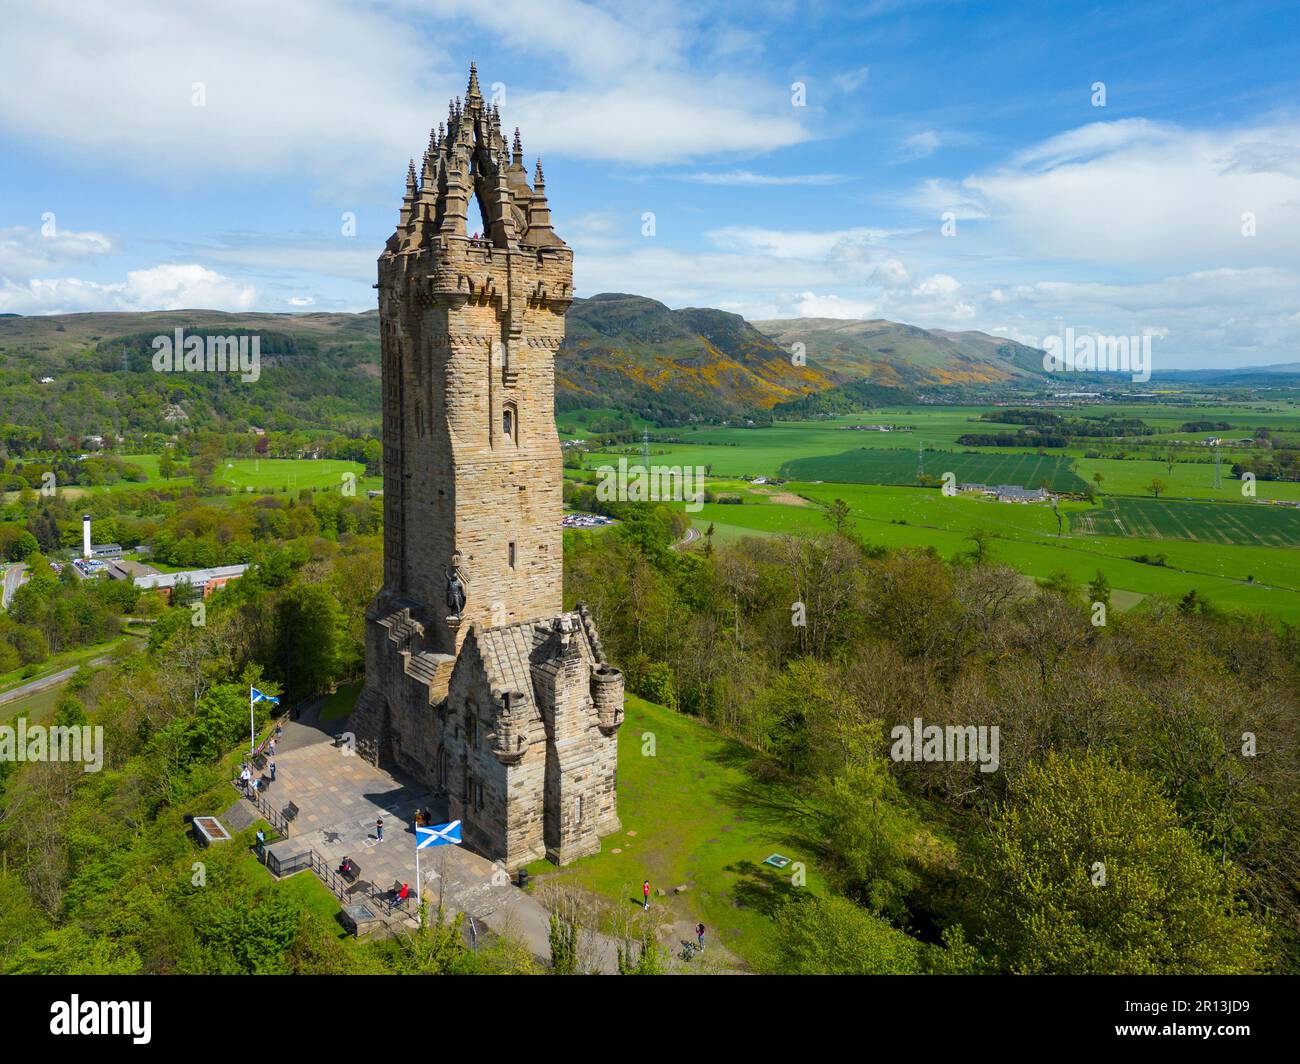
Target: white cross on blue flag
[(259, 696), (438, 835)]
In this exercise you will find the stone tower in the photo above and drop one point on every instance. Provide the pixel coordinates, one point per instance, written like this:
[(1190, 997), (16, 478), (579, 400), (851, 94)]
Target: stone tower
[(477, 682)]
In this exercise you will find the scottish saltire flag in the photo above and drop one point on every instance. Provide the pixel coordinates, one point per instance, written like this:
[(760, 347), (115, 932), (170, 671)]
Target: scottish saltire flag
[(438, 835), (259, 696)]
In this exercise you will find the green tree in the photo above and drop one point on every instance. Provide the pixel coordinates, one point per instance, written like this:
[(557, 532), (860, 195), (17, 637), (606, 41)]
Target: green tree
[(1062, 583), (308, 627), (832, 936), (838, 515), (1087, 870), (1099, 589), (564, 945), (980, 538)]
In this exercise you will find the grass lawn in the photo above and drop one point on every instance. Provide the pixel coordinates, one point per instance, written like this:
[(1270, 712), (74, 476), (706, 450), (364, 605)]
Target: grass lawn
[(35, 708), (339, 704), (695, 813)]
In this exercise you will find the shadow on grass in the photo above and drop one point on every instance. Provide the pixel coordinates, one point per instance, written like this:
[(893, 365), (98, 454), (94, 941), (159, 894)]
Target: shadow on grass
[(761, 888)]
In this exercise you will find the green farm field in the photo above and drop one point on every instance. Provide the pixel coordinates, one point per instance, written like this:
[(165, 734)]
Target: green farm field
[(1203, 522), (1247, 578), (872, 466), (1187, 480)]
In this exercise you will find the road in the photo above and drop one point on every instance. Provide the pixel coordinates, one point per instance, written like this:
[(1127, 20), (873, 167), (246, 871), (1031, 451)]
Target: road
[(13, 579), (692, 534), (45, 682)]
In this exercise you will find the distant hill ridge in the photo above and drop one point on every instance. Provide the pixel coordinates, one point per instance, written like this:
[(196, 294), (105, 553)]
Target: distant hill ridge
[(622, 351)]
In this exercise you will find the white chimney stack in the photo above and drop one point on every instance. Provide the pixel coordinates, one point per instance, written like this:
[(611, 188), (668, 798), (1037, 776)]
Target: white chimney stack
[(85, 536)]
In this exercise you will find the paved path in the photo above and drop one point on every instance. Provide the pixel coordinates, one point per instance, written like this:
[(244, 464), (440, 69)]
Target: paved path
[(340, 796), (13, 579)]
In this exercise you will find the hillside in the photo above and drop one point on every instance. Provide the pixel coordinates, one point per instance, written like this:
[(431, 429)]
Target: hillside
[(894, 355), (696, 363), (321, 371)]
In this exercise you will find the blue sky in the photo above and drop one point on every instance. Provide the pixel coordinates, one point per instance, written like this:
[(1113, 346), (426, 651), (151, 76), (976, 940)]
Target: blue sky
[(117, 192)]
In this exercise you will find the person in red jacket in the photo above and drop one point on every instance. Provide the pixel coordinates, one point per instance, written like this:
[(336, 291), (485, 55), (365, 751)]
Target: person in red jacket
[(645, 894)]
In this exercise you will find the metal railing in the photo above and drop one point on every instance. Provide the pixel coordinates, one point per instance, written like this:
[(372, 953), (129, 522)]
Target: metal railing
[(270, 814), (342, 889)]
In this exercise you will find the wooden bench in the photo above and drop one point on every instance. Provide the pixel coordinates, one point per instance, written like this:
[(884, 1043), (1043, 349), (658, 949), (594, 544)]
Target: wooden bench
[(353, 874), (290, 812)]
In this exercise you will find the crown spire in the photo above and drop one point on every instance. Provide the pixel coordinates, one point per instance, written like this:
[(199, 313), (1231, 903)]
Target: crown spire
[(539, 182), (472, 92)]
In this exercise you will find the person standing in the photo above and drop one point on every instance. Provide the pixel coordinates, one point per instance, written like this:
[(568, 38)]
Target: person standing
[(645, 895), (379, 830), (272, 771), (699, 936)]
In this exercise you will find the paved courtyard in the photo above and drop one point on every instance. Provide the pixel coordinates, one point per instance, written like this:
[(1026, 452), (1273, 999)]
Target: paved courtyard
[(340, 797)]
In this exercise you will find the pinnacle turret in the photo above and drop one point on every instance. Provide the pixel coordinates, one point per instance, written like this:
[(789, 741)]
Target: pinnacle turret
[(469, 158)]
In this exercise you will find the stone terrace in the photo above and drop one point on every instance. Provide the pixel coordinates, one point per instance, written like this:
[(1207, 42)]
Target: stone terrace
[(340, 796)]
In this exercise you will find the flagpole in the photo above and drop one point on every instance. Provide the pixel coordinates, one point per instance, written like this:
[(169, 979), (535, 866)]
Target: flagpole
[(419, 890), (252, 729)]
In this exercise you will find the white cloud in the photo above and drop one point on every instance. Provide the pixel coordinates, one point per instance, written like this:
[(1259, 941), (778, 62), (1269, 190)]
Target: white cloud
[(748, 177), (939, 196), (891, 274), (176, 287), (24, 251), (811, 305), (1141, 193), (851, 80), (836, 244), (940, 284), (919, 145), (338, 93)]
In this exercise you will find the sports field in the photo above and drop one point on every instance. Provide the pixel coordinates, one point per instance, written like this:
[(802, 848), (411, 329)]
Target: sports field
[(259, 474), (1252, 524), (248, 474)]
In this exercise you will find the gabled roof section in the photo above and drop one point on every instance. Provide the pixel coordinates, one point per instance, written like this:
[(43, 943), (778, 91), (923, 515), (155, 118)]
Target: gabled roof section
[(511, 654)]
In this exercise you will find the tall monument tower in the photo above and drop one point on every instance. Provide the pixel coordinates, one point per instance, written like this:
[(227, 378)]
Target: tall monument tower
[(472, 313), (473, 288)]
